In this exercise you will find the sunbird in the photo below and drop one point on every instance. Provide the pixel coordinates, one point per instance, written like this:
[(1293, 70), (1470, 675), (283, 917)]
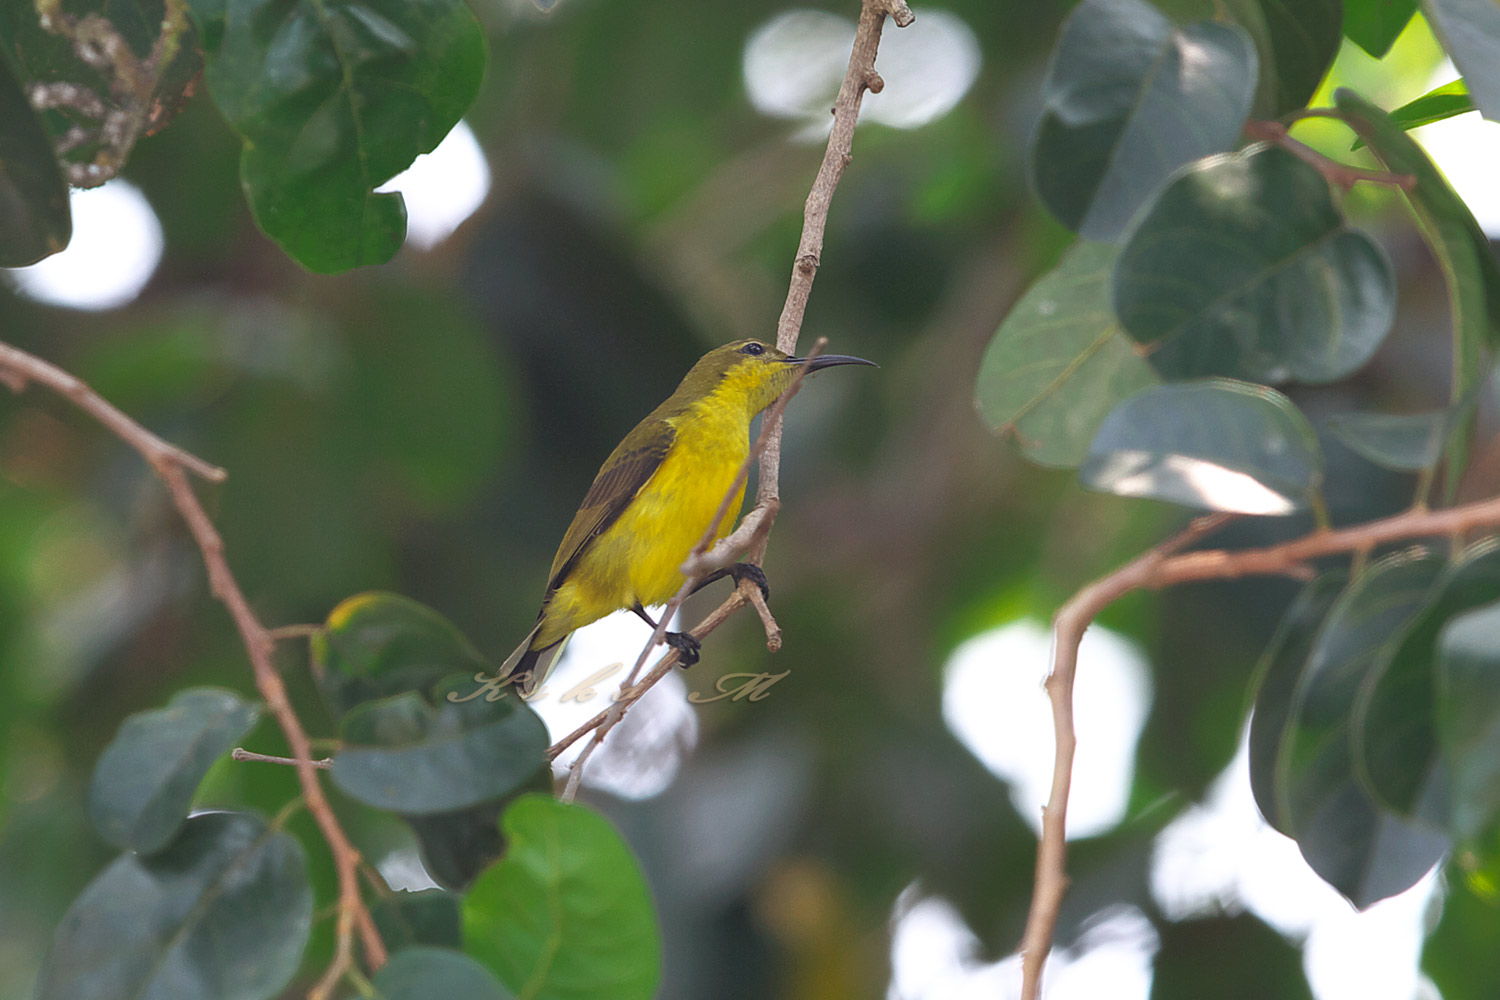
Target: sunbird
[(653, 500)]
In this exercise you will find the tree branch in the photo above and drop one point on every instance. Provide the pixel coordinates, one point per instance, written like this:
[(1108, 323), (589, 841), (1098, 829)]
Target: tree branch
[(1338, 173), (1167, 566), (172, 465)]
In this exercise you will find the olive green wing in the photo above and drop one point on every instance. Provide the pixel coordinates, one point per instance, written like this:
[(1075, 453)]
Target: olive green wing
[(627, 469)]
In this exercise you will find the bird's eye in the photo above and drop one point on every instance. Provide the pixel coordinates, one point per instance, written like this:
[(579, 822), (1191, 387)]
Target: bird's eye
[(753, 348)]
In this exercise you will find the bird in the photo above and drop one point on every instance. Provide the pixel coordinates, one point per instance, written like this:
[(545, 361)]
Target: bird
[(653, 500)]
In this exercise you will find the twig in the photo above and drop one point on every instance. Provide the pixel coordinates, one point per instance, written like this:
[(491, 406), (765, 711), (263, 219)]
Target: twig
[(172, 465), (1338, 173), (240, 753), (1167, 566)]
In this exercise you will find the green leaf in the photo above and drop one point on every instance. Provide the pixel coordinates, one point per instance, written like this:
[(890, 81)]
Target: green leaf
[(1245, 267), (1128, 98), (458, 846), (424, 973), (223, 912), (566, 915), (412, 756), (1362, 851), (1395, 734), (1447, 101), (1216, 443), (333, 98), (375, 645), (1275, 684), (1469, 722), (144, 783), (1265, 964), (1059, 363), (1462, 250), (1405, 442), (430, 917), (35, 220), (1304, 36), (1470, 32), (1374, 25)]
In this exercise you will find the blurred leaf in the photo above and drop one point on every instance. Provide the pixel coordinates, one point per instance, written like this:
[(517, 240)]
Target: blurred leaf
[(1405, 442), (1470, 32), (424, 973), (1305, 37), (566, 915), (1462, 251), (1275, 684), (333, 99), (35, 220), (1215, 443), (1374, 24), (1460, 956), (1059, 363), (430, 917), (1128, 99), (408, 755), (1250, 961), (1361, 851), (457, 846), (1395, 734), (375, 645), (1443, 102), (223, 912), (144, 783), (1245, 267), (1469, 722)]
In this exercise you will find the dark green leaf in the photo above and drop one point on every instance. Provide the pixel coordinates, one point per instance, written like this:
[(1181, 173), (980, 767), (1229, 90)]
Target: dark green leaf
[(1459, 955), (1245, 267), (1374, 24), (1470, 31), (1266, 964), (425, 973), (1463, 254), (35, 220), (457, 846), (1059, 363), (1216, 443), (1469, 720), (1275, 684), (430, 917), (1395, 736), (1128, 99), (144, 783), (333, 99), (375, 645), (1304, 38), (566, 915), (1447, 101), (223, 912), (1405, 442), (1361, 851), (412, 756)]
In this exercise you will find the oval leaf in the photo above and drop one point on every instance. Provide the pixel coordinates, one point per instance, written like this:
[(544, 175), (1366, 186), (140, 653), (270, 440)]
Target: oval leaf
[(1217, 444), (457, 846), (223, 912), (1470, 30), (566, 915), (1304, 38), (1059, 363), (144, 783), (1469, 721), (35, 218), (429, 917), (1128, 98), (1374, 24), (1244, 267), (1405, 442), (424, 973), (334, 98), (409, 756)]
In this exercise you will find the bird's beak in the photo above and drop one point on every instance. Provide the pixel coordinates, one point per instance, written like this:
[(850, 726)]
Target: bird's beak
[(829, 360)]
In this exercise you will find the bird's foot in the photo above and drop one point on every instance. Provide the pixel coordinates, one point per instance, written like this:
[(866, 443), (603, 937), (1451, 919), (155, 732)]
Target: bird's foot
[(753, 573), (687, 646)]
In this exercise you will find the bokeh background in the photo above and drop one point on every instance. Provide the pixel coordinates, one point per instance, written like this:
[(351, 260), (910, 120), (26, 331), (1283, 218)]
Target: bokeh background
[(625, 194)]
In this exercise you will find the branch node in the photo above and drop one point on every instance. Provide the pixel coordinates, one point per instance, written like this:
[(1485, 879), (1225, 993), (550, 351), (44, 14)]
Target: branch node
[(873, 82)]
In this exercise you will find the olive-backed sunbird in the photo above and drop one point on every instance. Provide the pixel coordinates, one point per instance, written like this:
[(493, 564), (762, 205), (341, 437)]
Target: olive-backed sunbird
[(653, 500)]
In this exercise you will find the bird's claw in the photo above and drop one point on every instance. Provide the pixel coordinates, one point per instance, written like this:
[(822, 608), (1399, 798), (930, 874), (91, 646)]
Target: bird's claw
[(753, 573), (687, 646)]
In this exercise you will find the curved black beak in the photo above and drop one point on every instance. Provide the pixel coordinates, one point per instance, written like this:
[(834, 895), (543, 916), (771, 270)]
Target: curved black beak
[(829, 360)]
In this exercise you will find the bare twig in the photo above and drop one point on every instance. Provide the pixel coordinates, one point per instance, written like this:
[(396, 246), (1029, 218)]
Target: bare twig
[(172, 465), (240, 753), (1167, 566), (1338, 173)]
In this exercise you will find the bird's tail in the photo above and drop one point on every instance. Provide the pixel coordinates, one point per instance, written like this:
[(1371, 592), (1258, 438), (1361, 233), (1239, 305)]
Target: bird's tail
[(526, 668)]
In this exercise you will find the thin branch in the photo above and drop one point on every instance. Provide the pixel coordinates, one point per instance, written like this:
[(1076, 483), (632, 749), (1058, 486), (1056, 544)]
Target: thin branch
[(1341, 174), (1166, 566), (240, 753), (172, 465)]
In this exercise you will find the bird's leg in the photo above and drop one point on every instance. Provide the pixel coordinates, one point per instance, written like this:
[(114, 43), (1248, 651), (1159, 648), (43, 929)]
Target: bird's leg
[(739, 571), (686, 644)]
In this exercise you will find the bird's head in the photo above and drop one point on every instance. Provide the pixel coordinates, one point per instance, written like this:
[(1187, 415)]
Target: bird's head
[(753, 371)]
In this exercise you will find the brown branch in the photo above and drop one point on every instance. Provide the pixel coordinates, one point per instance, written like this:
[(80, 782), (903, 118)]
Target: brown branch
[(240, 753), (1167, 566), (172, 465), (1338, 173)]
